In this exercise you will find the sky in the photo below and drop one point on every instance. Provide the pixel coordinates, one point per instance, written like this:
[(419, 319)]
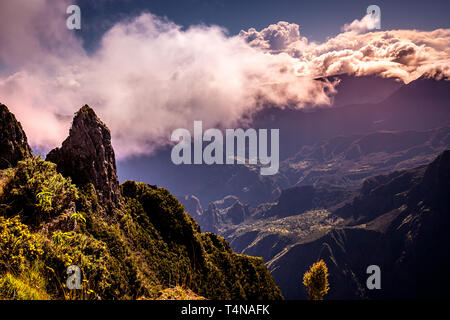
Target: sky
[(318, 19), (150, 67)]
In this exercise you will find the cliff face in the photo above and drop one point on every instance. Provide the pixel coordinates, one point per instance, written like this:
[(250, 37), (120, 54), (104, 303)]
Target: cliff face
[(13, 141), (87, 156)]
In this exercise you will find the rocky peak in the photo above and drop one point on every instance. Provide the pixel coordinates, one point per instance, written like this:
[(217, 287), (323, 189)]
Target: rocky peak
[(435, 185), (87, 156), (192, 206), (210, 218), (13, 140), (237, 212)]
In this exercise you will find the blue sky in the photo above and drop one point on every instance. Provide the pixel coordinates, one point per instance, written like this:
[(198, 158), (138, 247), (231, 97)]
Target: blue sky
[(318, 19)]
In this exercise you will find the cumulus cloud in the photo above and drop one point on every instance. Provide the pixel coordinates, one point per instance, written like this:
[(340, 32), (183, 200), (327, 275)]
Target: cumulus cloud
[(275, 38), (367, 23), (402, 54), (149, 76)]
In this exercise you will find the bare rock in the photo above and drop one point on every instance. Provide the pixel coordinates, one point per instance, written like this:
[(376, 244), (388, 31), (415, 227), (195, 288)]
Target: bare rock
[(87, 156), (13, 140)]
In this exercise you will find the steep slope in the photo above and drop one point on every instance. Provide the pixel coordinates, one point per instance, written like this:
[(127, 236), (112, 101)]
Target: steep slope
[(362, 89), (147, 249), (399, 222), (13, 141)]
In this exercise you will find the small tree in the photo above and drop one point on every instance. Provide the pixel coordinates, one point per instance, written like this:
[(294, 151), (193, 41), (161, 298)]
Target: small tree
[(316, 280)]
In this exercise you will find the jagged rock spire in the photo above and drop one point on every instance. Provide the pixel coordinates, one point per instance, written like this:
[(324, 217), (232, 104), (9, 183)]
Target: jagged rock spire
[(87, 156), (13, 140)]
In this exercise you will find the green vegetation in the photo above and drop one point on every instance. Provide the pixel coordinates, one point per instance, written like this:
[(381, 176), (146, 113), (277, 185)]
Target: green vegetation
[(17, 245), (316, 280), (36, 192), (149, 248), (13, 288)]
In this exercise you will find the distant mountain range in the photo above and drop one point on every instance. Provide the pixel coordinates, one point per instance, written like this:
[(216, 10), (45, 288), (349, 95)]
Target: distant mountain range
[(399, 222), (421, 105), (359, 184)]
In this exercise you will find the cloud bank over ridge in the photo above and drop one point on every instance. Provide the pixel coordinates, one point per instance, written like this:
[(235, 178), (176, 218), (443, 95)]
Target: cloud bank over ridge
[(402, 54)]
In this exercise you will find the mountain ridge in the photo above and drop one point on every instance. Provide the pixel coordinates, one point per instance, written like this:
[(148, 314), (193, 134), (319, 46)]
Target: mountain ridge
[(406, 226), (147, 247)]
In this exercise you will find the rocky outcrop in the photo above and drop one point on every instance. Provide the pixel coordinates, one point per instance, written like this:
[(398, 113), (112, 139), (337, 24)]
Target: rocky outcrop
[(237, 213), (226, 202), (228, 210), (87, 156), (192, 206), (207, 219), (13, 141), (210, 219)]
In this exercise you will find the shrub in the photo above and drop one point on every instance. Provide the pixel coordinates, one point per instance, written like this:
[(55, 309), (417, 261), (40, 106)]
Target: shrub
[(36, 191), (18, 245), (316, 280)]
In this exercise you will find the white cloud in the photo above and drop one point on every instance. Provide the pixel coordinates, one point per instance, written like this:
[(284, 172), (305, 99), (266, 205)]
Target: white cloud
[(403, 54), (149, 76), (275, 38), (367, 23)]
